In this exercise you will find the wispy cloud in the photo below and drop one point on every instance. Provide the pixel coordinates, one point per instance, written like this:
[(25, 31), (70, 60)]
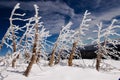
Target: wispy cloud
[(54, 12)]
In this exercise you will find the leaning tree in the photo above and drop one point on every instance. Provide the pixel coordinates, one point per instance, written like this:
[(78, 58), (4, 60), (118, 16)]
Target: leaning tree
[(77, 37), (11, 37), (37, 35), (63, 42), (106, 46)]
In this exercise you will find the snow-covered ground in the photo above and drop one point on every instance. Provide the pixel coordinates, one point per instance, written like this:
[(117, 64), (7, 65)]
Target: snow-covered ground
[(79, 71)]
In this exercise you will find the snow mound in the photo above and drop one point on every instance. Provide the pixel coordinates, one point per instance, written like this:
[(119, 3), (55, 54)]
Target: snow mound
[(62, 72)]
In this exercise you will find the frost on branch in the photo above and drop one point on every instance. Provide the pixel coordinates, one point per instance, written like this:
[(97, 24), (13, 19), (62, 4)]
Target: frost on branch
[(12, 37), (108, 47), (12, 32), (77, 38), (37, 36), (109, 32), (85, 23), (63, 42)]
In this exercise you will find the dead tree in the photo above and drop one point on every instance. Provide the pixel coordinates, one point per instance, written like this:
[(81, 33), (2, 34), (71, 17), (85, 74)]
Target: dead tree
[(103, 49), (36, 35), (76, 37), (99, 51), (61, 41), (34, 55), (11, 35), (13, 28)]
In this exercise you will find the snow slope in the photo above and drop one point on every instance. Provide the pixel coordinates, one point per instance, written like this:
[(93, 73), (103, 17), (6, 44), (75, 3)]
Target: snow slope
[(62, 72)]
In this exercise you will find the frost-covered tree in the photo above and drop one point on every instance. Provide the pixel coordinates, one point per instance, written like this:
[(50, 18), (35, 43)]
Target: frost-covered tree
[(98, 41), (68, 37), (76, 39), (11, 37), (26, 41), (42, 42), (65, 39), (62, 42), (104, 49), (37, 36)]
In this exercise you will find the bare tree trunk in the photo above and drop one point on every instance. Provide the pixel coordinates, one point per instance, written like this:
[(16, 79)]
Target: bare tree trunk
[(98, 61), (38, 57), (72, 54), (27, 56), (14, 49), (33, 59), (27, 71), (99, 55), (51, 61), (59, 56), (38, 53), (14, 61)]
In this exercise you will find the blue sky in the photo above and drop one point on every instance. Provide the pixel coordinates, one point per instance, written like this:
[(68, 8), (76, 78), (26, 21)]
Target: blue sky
[(57, 13)]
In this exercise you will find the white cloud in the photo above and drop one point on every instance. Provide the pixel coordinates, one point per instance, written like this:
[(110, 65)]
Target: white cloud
[(53, 14), (97, 18)]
